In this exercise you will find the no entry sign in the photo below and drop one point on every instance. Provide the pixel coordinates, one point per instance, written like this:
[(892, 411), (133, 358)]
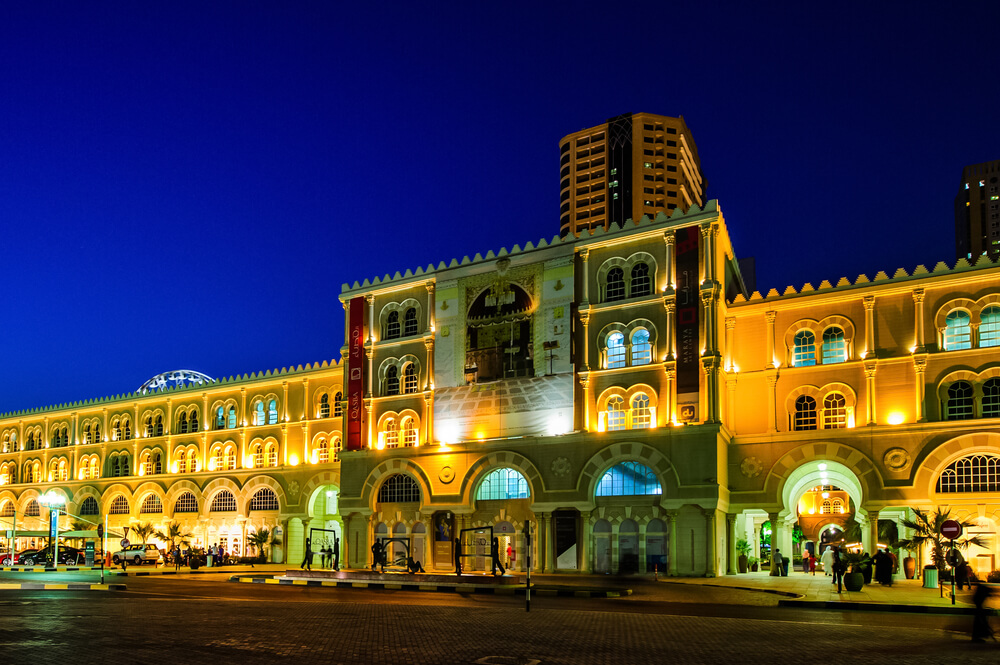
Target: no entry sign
[(951, 529)]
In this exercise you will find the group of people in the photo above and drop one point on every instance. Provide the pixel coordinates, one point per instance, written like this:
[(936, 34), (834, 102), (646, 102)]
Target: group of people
[(218, 554), (329, 556)]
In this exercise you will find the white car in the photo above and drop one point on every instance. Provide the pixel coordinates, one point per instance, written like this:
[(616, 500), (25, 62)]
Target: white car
[(137, 554)]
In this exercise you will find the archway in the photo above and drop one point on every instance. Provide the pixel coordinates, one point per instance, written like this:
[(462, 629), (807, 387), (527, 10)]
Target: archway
[(602, 546)]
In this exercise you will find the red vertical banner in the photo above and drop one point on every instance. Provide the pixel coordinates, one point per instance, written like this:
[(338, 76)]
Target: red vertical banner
[(688, 305), (356, 374)]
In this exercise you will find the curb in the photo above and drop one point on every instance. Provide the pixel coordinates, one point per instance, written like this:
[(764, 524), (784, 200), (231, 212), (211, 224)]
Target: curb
[(881, 607), (457, 588), (776, 592), (42, 569), (150, 573), (70, 586)]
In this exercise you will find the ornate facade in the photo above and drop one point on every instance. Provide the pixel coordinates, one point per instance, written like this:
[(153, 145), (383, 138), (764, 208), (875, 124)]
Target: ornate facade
[(619, 392)]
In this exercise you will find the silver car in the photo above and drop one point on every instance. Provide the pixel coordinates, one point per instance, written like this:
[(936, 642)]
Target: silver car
[(137, 554)]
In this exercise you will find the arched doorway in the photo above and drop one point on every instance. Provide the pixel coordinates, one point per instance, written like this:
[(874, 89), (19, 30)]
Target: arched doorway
[(656, 546), (628, 547), (504, 533), (602, 547), (398, 548), (419, 548)]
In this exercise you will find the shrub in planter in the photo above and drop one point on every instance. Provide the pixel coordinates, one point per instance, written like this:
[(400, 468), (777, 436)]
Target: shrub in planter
[(744, 548), (993, 577)]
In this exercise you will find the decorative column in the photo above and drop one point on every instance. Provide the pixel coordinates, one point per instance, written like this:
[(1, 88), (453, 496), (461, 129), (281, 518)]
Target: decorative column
[(585, 535), (585, 386), (731, 529), (706, 245), (429, 417), (668, 400), (769, 339), (873, 531), (730, 334), (869, 302), (919, 342), (585, 269), (668, 263), (731, 402), (549, 544), (431, 307), (870, 368), (773, 519), (756, 539), (672, 551), (919, 369), (772, 382), (585, 321), (284, 400), (669, 304), (711, 556)]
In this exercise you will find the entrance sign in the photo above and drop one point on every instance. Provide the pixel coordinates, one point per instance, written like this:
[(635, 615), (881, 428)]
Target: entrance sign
[(951, 529), (356, 373)]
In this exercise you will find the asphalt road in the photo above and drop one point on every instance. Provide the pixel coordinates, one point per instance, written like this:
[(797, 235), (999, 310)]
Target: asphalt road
[(206, 619)]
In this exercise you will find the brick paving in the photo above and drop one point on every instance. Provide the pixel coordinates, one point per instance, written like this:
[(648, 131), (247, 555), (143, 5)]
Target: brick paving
[(133, 628)]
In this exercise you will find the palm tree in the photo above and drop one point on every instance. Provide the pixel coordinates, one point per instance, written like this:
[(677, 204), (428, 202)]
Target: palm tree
[(926, 529), (261, 538), (144, 530), (174, 533)]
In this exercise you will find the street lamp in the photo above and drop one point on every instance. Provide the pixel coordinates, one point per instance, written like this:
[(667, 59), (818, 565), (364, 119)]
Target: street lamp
[(53, 501)]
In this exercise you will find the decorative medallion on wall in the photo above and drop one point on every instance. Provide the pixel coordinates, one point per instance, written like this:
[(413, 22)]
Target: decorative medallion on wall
[(896, 459), (293, 490), (561, 466), (447, 475), (751, 467)]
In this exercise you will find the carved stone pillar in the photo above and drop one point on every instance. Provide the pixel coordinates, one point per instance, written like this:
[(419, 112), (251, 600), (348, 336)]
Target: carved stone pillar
[(585, 269), (769, 339), (919, 369), (918, 316), (585, 536), (773, 518), (772, 382), (668, 263), (870, 368), (672, 550), (728, 351), (731, 537), (869, 302), (669, 304), (711, 555)]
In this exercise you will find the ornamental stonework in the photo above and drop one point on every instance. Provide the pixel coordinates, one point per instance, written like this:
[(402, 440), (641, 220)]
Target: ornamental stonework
[(896, 459), (751, 467), (561, 466)]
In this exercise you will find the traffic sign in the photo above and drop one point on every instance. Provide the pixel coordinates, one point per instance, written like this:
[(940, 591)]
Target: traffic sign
[(951, 529), (100, 530), (125, 543)]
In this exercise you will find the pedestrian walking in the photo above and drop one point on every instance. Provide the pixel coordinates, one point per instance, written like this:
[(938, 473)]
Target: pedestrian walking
[(828, 561), (838, 570), (980, 619), (307, 560), (812, 565)]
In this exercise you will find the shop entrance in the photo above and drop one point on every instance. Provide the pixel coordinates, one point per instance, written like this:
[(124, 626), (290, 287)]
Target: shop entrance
[(504, 532), (602, 547)]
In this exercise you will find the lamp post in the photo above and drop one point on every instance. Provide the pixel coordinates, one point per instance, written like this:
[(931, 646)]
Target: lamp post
[(53, 501)]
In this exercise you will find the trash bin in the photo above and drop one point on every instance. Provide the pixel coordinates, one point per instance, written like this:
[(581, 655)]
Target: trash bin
[(784, 566), (209, 563), (930, 578)]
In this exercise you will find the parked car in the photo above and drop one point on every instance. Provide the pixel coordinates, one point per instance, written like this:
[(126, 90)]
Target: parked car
[(137, 554), (29, 557), (67, 556)]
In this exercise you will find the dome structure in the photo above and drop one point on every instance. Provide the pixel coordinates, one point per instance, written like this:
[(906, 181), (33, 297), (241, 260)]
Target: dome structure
[(179, 378)]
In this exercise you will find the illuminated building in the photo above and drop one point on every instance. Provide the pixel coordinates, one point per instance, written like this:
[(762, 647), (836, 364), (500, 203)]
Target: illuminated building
[(619, 392), (977, 211), (632, 165)]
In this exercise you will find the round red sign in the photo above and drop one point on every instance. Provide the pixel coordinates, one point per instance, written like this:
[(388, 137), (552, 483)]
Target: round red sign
[(951, 529)]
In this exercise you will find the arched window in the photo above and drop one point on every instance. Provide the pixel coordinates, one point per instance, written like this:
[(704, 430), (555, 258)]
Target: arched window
[(116, 430), (503, 484), (186, 503), (322, 451), (272, 412), (151, 504), (220, 418), (838, 507), (97, 432), (960, 401), (392, 325), (148, 430), (390, 433), (616, 413), (32, 509), (614, 288), (834, 345), (223, 502), (8, 509), (834, 411), (90, 507), (399, 488), (88, 436), (642, 350), (989, 327), (641, 413), (338, 408), (616, 350), (324, 405), (410, 322), (124, 464), (62, 472), (805, 413), (641, 284), (804, 350), (119, 506), (264, 499), (230, 458), (272, 454), (182, 423), (258, 413), (975, 473), (126, 429), (628, 479), (408, 432), (826, 508), (116, 468), (957, 331), (231, 422), (392, 381), (336, 446), (193, 421), (257, 456), (410, 378), (158, 426), (991, 398)]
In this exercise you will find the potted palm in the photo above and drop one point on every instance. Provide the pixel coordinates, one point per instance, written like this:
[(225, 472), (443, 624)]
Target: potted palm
[(744, 548), (260, 539), (753, 564), (926, 531), (854, 578)]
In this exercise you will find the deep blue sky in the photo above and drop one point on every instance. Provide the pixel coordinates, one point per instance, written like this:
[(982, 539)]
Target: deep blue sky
[(188, 185)]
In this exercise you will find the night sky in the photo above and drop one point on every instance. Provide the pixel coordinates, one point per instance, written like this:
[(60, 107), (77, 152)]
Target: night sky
[(188, 185)]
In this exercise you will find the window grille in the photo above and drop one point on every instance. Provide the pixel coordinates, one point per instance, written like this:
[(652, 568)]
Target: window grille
[(258, 413), (272, 412), (151, 504), (336, 449), (616, 350), (991, 398), (391, 433), (410, 322), (392, 381), (231, 423), (615, 285), (193, 420), (503, 484), (804, 353), (409, 433), (264, 499), (324, 406), (641, 284), (119, 506), (628, 479), (834, 346), (974, 473), (88, 507), (272, 455), (224, 502), (392, 326), (805, 413), (960, 401), (957, 331), (834, 411), (642, 350), (616, 413), (410, 378), (322, 451), (399, 488), (641, 416), (989, 327), (338, 408), (186, 503)]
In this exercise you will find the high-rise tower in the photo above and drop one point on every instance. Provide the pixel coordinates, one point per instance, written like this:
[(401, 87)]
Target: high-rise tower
[(977, 211), (632, 165)]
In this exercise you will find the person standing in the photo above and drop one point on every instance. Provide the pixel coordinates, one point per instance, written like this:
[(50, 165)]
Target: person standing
[(812, 565), (828, 561), (838, 570), (336, 553), (307, 560)]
